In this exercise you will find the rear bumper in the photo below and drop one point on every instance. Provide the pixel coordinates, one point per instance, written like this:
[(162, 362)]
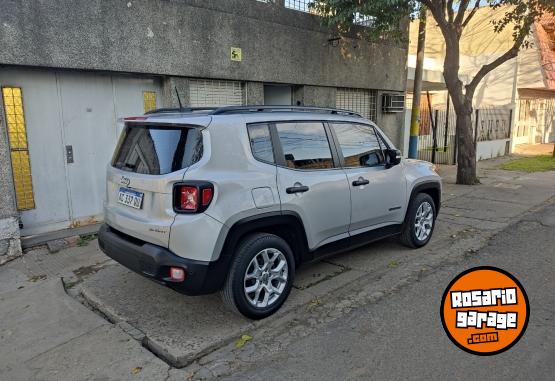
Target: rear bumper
[(154, 262)]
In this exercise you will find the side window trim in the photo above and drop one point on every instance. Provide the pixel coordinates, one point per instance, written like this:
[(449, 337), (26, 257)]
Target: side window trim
[(336, 146), (279, 156), (381, 140), (278, 148), (333, 146)]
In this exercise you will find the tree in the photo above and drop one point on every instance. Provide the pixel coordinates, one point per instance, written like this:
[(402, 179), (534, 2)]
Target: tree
[(385, 22)]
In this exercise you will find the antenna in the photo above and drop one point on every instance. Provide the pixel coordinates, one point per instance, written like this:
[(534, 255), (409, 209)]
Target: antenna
[(178, 99)]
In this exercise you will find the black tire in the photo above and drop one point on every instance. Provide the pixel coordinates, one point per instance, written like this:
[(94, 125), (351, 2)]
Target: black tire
[(408, 234), (233, 292)]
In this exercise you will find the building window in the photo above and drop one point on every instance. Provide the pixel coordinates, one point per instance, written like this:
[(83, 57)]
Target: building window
[(214, 93), (149, 101), (361, 101), (19, 150), (300, 5)]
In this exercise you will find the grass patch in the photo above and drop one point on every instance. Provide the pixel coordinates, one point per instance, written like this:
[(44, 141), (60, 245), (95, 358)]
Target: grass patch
[(393, 264), (85, 239), (540, 163)]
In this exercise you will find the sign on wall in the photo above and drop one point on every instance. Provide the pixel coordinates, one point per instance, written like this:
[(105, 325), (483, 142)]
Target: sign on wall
[(236, 54)]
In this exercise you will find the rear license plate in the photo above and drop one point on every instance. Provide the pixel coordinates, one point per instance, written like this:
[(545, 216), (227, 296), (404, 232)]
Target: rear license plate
[(130, 198)]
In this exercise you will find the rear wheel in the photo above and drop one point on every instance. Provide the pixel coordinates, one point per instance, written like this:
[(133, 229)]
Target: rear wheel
[(419, 221), (260, 276)]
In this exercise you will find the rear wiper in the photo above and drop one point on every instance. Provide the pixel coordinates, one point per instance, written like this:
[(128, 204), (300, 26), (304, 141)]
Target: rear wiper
[(129, 166)]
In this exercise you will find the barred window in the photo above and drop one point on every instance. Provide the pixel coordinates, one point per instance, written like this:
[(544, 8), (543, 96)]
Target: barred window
[(299, 5), (19, 149), (361, 101), (149, 101)]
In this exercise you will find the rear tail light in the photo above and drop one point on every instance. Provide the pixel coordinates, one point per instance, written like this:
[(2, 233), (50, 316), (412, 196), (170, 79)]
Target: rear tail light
[(192, 197), (207, 196), (188, 198)]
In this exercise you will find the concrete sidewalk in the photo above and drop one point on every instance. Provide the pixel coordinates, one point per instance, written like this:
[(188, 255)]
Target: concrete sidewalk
[(47, 335), (197, 332)]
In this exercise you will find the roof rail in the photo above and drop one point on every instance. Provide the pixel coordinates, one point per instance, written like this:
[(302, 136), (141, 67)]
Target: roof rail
[(249, 109), (180, 110)]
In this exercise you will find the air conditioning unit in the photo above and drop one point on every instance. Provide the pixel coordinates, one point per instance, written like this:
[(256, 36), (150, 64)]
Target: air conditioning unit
[(392, 103)]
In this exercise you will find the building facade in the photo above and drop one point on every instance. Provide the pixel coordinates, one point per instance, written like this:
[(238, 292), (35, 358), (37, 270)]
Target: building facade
[(71, 69), (516, 101)]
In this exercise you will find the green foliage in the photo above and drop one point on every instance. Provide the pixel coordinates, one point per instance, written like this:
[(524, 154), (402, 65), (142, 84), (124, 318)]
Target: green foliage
[(85, 239), (541, 163), (384, 18), (520, 15), (387, 16)]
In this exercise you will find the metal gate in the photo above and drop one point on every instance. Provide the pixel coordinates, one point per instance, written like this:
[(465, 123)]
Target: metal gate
[(437, 140), (358, 100), (211, 93), (535, 121)]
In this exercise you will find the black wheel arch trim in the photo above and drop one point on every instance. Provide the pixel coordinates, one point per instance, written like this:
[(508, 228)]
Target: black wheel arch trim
[(426, 186), (272, 220)]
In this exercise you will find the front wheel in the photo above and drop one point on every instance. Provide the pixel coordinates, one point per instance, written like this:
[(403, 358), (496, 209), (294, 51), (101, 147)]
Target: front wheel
[(260, 277), (419, 221)]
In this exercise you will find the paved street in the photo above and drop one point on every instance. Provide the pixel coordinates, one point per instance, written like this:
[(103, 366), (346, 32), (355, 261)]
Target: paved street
[(195, 190), (374, 310), (401, 337)]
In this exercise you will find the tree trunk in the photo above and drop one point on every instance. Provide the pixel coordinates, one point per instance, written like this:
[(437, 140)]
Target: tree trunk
[(462, 103), (466, 152)]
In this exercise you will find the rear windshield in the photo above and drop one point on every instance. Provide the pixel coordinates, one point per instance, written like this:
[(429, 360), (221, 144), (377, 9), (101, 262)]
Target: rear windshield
[(155, 150)]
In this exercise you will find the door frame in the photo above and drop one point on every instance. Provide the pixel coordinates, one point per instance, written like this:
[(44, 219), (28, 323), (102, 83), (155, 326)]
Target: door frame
[(280, 162), (384, 145)]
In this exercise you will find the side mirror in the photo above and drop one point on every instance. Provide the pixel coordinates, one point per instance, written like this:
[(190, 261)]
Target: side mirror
[(393, 157)]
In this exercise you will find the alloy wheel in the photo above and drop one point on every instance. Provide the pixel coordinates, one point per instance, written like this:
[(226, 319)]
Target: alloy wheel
[(266, 277), (424, 221)]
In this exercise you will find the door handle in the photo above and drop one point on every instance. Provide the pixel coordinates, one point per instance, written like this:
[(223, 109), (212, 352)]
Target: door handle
[(361, 181), (297, 189)]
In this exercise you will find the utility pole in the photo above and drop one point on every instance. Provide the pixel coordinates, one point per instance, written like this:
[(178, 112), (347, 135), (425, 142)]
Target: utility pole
[(417, 88)]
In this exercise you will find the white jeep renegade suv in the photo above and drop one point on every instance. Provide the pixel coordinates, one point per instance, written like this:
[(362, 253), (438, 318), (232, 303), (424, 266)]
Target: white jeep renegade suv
[(236, 198)]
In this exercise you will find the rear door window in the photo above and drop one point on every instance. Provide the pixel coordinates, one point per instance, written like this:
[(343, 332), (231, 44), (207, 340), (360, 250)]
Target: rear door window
[(305, 145), (157, 150)]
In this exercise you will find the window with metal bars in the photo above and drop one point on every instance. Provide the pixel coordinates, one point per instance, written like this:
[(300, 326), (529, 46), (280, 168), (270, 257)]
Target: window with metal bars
[(361, 101), (19, 149), (215, 93), (299, 5), (149, 101)]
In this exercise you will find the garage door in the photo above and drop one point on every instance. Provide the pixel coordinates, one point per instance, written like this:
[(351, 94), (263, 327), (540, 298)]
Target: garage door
[(213, 93), (64, 126), (361, 101)]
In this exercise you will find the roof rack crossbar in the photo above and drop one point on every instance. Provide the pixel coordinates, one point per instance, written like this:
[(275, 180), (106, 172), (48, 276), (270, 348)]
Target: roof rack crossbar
[(249, 109)]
